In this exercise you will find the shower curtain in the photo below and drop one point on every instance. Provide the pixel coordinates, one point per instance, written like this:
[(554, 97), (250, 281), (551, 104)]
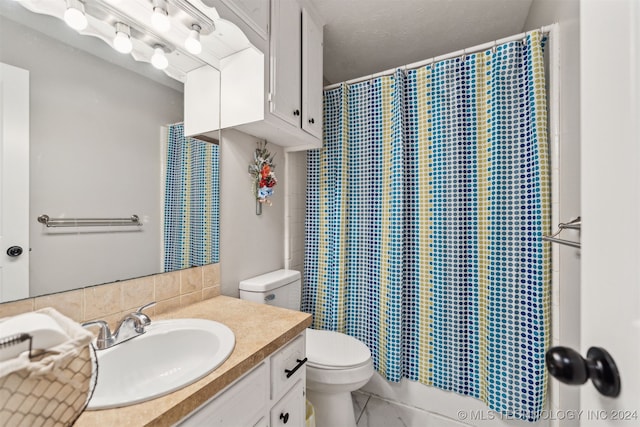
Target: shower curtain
[(425, 211), (191, 206)]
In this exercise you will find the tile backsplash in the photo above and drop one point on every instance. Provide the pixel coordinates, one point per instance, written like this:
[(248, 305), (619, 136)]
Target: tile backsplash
[(112, 301)]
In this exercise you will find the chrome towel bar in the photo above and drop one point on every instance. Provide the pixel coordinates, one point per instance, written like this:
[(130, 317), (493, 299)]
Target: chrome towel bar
[(88, 222), (574, 224)]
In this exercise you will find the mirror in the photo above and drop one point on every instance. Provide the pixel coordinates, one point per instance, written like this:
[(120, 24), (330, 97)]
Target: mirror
[(98, 130)]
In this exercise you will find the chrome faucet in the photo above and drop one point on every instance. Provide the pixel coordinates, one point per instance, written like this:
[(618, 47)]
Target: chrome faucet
[(130, 326)]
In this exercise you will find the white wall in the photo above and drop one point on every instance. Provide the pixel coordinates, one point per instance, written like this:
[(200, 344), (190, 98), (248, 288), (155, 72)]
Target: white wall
[(95, 152), (296, 203), (250, 244)]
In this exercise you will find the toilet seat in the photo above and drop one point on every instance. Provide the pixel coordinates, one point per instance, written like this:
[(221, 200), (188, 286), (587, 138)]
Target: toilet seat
[(329, 350)]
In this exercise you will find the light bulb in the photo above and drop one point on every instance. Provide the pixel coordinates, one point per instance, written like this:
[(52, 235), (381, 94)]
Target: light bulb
[(160, 19), (159, 60), (74, 15), (122, 40), (192, 43)]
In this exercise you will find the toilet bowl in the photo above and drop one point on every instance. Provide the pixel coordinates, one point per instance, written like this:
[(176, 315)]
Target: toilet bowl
[(337, 364)]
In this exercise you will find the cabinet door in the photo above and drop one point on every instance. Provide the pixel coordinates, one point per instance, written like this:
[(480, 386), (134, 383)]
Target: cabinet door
[(290, 410), (286, 61), (241, 404), (311, 76), (287, 366)]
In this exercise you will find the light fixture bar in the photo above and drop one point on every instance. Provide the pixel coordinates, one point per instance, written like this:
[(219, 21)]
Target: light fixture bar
[(107, 13), (206, 24)]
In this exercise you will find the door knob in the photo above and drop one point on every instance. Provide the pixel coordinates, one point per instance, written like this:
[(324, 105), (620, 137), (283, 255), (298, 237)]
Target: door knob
[(311, 120), (14, 251), (567, 366), (296, 112)]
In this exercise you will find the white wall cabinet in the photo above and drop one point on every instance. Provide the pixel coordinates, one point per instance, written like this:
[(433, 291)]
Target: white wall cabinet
[(296, 67), (274, 90), (312, 78), (270, 395), (285, 100), (294, 97)]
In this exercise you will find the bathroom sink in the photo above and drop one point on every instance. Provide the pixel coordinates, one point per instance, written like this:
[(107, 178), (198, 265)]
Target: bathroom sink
[(171, 354)]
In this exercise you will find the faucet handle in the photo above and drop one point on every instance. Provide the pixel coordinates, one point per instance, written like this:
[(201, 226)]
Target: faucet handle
[(104, 338), (144, 307), (142, 316)]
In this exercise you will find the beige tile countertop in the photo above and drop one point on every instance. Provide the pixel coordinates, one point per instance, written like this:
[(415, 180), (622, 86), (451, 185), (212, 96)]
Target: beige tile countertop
[(259, 329)]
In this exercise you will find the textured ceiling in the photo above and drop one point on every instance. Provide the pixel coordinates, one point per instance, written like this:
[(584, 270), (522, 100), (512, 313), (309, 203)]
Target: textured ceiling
[(362, 37)]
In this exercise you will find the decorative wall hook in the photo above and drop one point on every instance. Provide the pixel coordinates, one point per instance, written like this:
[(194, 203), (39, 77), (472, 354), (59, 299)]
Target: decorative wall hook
[(263, 176)]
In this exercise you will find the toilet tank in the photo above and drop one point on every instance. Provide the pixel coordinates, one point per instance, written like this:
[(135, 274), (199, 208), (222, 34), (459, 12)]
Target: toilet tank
[(281, 288)]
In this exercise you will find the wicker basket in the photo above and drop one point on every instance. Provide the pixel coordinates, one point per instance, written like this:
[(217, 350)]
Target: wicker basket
[(51, 389)]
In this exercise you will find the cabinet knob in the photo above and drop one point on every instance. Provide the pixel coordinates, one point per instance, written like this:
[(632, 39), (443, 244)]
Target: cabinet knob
[(284, 418), (296, 113), (311, 120)]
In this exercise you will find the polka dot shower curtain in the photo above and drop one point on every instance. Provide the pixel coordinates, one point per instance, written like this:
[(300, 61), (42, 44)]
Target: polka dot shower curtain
[(191, 205), (425, 211)]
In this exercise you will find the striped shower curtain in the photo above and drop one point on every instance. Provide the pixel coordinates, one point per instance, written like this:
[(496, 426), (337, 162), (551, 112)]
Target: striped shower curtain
[(192, 205), (425, 211)]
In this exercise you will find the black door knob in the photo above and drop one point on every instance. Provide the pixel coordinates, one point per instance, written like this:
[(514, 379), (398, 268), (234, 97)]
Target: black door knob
[(296, 112), (567, 366), (311, 120), (284, 418), (14, 251)]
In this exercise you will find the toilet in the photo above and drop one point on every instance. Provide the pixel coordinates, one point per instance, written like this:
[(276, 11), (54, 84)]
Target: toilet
[(337, 364)]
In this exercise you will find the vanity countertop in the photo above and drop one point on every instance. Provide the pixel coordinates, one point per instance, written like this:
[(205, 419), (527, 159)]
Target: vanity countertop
[(259, 330)]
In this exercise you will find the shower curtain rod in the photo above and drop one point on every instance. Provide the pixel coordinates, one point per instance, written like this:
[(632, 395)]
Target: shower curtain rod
[(468, 51)]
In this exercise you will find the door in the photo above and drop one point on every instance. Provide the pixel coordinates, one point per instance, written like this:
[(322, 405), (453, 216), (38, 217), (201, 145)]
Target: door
[(14, 184), (610, 254), (286, 61), (311, 75)]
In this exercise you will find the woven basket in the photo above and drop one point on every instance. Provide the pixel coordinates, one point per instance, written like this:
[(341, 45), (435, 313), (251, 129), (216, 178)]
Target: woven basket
[(49, 390)]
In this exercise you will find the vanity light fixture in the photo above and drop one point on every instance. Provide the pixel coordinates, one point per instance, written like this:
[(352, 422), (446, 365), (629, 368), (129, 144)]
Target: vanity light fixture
[(122, 40), (159, 60), (160, 16), (74, 15), (192, 43)]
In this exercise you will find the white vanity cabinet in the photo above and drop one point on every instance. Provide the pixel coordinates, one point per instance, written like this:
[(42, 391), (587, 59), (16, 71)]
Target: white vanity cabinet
[(270, 395)]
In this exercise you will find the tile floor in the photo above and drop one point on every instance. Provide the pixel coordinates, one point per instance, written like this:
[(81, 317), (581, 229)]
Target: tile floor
[(372, 411)]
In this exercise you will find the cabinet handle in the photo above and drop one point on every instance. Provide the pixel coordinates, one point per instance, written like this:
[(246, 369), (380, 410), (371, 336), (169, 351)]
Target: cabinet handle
[(290, 372), (284, 418), (296, 113), (311, 120)]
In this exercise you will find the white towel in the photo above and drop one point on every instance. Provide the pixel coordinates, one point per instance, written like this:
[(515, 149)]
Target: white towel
[(51, 331)]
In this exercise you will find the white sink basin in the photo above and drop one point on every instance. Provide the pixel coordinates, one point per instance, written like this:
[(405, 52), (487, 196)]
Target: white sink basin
[(171, 354)]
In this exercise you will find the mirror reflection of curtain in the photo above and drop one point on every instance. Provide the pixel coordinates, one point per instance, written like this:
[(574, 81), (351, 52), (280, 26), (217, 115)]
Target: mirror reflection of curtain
[(191, 206)]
